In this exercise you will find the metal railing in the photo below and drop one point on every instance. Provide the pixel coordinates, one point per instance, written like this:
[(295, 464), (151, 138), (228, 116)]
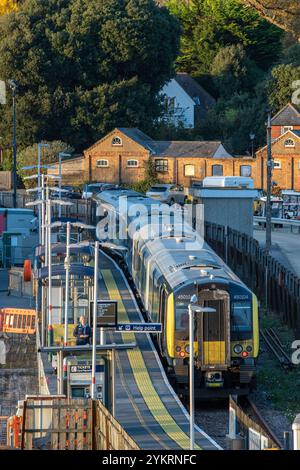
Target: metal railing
[(291, 225), (277, 288), (81, 209)]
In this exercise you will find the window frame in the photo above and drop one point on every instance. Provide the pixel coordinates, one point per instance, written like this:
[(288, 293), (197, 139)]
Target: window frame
[(289, 146), (246, 166), (132, 160), (102, 160), (161, 163), (278, 163), (219, 165), (114, 143), (191, 165)]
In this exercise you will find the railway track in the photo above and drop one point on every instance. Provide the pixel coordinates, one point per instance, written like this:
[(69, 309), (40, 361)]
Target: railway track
[(251, 410), (276, 347)]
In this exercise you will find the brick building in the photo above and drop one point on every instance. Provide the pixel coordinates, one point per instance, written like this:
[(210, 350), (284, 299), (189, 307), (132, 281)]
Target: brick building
[(122, 156)]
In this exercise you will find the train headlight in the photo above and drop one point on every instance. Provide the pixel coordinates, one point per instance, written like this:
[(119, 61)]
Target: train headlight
[(249, 349), (237, 348), (187, 349)]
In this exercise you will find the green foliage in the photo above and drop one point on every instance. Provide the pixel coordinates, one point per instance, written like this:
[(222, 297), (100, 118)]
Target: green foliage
[(233, 71), (144, 185), (280, 87), (209, 25), (86, 66), (29, 156)]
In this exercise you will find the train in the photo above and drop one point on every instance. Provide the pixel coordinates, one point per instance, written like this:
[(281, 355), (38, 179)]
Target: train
[(169, 262)]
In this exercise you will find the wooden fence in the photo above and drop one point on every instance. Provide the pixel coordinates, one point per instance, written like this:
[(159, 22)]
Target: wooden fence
[(277, 288), (58, 423)]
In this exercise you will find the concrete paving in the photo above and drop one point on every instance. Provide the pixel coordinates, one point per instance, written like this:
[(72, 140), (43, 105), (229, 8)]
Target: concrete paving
[(285, 248)]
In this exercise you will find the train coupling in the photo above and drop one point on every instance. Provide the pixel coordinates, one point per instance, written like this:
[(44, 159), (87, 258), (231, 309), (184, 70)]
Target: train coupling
[(214, 379)]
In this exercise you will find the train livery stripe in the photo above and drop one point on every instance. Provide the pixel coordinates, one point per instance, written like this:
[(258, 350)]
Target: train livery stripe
[(141, 375), (255, 326), (171, 326)]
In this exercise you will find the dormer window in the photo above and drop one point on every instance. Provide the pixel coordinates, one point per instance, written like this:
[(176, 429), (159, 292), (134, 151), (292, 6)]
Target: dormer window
[(289, 143), (117, 141)]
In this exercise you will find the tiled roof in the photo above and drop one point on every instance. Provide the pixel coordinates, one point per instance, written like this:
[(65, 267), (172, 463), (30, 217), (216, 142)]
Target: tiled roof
[(194, 89), (288, 116), (135, 134), (184, 148)]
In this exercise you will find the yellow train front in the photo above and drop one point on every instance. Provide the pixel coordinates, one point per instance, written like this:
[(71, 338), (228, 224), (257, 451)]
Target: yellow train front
[(226, 339)]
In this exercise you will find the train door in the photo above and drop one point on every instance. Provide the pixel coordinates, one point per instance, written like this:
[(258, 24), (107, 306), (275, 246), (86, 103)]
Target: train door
[(162, 318), (213, 330)]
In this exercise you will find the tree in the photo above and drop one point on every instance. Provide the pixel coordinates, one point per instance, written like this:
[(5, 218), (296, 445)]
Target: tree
[(282, 85), (283, 13), (7, 6), (85, 66), (233, 71), (209, 25), (28, 156)]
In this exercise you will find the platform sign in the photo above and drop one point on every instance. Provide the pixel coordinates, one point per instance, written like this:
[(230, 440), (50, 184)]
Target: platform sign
[(140, 327), (107, 311)]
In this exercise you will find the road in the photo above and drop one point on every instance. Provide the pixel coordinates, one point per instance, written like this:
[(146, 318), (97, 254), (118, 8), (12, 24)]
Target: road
[(285, 248)]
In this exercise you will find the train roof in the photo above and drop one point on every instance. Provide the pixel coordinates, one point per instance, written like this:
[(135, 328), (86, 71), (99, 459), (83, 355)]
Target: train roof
[(175, 248)]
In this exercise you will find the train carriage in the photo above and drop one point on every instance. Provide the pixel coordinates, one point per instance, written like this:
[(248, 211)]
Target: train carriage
[(169, 262)]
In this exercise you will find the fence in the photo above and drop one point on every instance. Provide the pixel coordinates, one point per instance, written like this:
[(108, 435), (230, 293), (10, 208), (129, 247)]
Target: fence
[(59, 423), (277, 288), (81, 209), (255, 437)]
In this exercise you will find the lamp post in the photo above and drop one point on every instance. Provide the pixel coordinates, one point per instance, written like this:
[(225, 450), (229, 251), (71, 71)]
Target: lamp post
[(193, 308), (269, 185), (252, 137), (95, 320), (14, 86), (61, 155)]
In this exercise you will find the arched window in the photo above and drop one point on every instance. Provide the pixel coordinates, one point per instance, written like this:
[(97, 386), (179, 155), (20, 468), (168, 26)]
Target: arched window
[(117, 141), (102, 163), (189, 170), (289, 143), (132, 163)]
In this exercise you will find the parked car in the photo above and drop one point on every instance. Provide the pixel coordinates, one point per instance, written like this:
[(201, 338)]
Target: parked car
[(93, 188), (168, 193)]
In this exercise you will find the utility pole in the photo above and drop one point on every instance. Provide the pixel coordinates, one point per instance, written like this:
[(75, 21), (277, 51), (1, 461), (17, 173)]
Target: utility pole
[(269, 185)]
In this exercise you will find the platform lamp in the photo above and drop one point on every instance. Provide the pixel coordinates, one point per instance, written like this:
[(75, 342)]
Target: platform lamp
[(49, 204), (193, 308)]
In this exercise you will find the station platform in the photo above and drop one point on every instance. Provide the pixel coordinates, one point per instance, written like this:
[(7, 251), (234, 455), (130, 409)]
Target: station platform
[(285, 248), (146, 404)]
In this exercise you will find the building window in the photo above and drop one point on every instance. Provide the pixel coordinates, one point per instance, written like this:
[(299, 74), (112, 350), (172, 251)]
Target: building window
[(245, 170), (189, 170), (277, 165), (161, 166), (117, 141), (217, 170), (170, 104), (102, 163), (289, 143), (132, 163), (284, 129)]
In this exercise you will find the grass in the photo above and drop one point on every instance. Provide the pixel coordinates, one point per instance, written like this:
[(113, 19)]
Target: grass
[(281, 387)]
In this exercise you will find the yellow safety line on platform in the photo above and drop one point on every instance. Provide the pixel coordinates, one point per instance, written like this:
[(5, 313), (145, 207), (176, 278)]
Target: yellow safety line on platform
[(141, 375)]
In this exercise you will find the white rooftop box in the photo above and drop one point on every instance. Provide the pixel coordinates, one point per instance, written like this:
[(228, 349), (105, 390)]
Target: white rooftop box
[(237, 182)]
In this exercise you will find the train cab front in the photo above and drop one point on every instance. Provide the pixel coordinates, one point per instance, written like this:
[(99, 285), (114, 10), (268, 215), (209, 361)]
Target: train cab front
[(225, 339)]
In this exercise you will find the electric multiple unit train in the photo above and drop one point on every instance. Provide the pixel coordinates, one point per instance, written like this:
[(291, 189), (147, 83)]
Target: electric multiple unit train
[(169, 262)]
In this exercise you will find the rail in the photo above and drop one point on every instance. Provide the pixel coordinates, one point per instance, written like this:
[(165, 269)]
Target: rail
[(277, 223)]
